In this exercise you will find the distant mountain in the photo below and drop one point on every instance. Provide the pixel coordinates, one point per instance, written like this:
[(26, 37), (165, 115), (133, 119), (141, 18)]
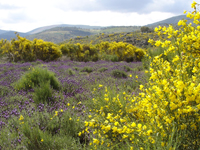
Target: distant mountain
[(40, 29), (62, 32), (3, 31), (59, 34), (172, 20), (11, 34)]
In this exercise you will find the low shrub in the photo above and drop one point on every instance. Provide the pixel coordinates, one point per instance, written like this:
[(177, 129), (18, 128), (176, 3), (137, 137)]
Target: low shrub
[(34, 77), (119, 74), (103, 69), (127, 68), (87, 69), (43, 93)]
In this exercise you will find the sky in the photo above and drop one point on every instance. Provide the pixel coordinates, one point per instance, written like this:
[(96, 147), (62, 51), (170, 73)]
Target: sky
[(26, 15)]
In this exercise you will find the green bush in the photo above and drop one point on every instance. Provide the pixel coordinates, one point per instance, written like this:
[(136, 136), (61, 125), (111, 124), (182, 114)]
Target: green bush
[(87, 69), (43, 93), (34, 77), (103, 69), (127, 68), (70, 72), (119, 74)]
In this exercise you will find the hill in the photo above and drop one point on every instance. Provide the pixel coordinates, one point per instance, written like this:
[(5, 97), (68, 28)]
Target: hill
[(63, 32), (40, 29), (166, 22), (59, 34), (11, 34)]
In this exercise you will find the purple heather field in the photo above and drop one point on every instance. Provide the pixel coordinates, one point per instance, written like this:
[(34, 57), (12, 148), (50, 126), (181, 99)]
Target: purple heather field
[(77, 85)]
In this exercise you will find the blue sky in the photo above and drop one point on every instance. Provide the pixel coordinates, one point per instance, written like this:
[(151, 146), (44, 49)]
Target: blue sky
[(25, 15)]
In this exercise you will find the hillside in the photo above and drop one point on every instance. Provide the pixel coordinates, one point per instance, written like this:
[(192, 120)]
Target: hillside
[(41, 29), (135, 38), (172, 20), (11, 34), (59, 34)]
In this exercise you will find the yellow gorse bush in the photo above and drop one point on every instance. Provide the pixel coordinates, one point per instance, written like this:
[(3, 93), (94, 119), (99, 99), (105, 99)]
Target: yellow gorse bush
[(123, 50), (167, 111), (22, 49), (84, 52)]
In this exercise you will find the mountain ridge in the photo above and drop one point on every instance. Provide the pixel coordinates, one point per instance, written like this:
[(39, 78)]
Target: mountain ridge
[(67, 31)]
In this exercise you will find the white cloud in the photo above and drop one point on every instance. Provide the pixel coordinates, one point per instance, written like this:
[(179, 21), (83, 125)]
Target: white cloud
[(23, 15)]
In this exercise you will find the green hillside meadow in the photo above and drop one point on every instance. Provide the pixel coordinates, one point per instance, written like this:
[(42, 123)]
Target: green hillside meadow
[(122, 91)]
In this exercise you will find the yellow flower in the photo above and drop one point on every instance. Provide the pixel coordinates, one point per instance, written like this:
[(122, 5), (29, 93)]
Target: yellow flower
[(21, 117), (133, 124), (193, 5), (96, 141), (124, 136), (130, 75), (79, 134), (86, 123), (42, 140), (70, 118), (114, 129), (141, 87), (100, 85), (149, 132), (158, 43)]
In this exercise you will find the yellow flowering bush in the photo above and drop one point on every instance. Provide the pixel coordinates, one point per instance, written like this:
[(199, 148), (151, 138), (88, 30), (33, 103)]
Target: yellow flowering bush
[(79, 52), (21, 49), (165, 115), (124, 51)]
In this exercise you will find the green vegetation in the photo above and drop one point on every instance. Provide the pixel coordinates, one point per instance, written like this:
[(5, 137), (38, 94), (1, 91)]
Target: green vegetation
[(119, 74), (35, 77)]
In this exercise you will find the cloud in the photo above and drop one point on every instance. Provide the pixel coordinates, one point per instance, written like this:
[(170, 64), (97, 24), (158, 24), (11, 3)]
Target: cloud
[(15, 16), (124, 6), (23, 15), (8, 6)]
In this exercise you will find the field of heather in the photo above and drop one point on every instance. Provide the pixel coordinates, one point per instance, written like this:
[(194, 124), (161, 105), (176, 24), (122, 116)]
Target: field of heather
[(21, 112)]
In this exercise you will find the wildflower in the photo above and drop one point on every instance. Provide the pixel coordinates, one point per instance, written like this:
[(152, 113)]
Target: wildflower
[(141, 87), (86, 123), (21, 117), (133, 124), (96, 141), (193, 5), (149, 132), (124, 136), (130, 75), (114, 129), (42, 140), (79, 134)]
